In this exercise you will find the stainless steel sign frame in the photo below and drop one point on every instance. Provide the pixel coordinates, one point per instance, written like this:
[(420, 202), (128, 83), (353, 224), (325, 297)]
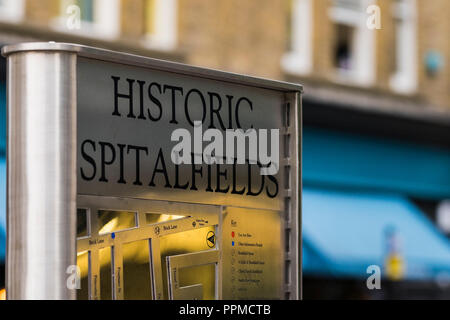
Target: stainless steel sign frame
[(95, 201)]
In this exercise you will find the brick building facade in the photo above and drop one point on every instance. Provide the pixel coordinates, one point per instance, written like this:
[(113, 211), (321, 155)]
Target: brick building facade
[(296, 40)]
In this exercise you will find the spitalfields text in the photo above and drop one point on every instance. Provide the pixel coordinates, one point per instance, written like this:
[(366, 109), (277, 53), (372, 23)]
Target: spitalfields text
[(138, 165)]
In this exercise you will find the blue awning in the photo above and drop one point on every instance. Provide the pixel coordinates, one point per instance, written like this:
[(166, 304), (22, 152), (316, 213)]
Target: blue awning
[(343, 160), (345, 232), (2, 209)]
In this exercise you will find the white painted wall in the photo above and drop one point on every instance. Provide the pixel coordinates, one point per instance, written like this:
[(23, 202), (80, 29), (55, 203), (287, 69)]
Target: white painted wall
[(165, 35), (404, 80), (12, 10), (364, 59), (299, 59)]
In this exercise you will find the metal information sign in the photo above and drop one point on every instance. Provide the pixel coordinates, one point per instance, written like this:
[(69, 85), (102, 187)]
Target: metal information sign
[(102, 204)]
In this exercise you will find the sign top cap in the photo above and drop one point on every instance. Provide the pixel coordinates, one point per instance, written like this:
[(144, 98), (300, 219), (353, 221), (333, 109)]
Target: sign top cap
[(141, 61)]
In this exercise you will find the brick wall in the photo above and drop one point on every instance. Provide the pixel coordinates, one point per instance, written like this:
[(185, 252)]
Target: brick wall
[(251, 37), (42, 11), (434, 34), (322, 39), (132, 18), (384, 45), (234, 35)]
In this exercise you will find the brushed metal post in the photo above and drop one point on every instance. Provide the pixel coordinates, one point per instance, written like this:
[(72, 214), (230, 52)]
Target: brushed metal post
[(41, 200)]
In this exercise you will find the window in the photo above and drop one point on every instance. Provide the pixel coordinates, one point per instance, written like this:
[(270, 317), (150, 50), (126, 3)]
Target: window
[(354, 43), (98, 18), (86, 10), (343, 51), (160, 24), (404, 78), (298, 58), (11, 10)]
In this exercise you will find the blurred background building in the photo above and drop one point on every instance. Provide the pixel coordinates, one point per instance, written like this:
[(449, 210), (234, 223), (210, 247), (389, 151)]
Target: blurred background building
[(376, 115)]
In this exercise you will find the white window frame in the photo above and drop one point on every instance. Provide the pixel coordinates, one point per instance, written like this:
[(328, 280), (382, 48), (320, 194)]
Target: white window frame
[(404, 80), (299, 59), (106, 20), (166, 26), (12, 11), (363, 69)]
